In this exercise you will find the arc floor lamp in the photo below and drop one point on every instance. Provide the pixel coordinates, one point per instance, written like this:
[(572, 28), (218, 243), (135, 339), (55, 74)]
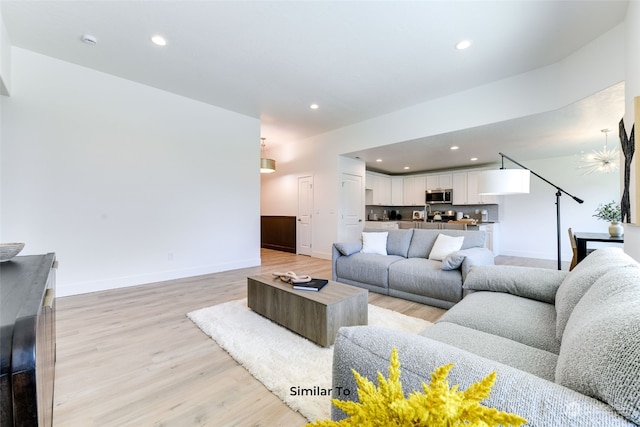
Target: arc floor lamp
[(516, 181)]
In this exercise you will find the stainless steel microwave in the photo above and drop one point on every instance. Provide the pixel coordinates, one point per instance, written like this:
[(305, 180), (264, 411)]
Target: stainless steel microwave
[(438, 196)]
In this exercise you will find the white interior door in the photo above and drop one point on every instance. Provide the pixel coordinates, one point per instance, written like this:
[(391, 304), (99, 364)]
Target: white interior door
[(352, 207), (305, 209)]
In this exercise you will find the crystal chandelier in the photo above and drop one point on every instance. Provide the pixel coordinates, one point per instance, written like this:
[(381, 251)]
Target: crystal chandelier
[(605, 160)]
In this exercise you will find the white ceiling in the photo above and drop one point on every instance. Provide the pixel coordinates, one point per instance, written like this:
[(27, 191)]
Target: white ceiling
[(569, 131), (356, 59)]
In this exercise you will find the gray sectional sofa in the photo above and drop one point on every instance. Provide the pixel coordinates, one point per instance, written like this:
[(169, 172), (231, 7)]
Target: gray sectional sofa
[(565, 345), (406, 271)]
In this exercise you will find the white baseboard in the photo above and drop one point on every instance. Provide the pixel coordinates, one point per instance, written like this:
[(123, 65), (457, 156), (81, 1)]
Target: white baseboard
[(321, 255), (537, 255), (68, 289)]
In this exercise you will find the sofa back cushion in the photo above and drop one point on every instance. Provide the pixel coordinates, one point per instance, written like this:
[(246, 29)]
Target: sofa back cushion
[(580, 279), (539, 284), (600, 350), (423, 240), (397, 240)]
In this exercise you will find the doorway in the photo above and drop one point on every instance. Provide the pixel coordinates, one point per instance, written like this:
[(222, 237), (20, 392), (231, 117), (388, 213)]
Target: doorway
[(352, 207), (305, 210)]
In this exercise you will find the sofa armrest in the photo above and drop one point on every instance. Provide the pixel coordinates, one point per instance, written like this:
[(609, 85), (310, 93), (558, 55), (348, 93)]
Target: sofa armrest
[(367, 349), (540, 284), (343, 249), (475, 256)]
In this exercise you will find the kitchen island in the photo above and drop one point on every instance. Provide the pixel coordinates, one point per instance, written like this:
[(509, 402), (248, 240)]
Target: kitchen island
[(491, 228)]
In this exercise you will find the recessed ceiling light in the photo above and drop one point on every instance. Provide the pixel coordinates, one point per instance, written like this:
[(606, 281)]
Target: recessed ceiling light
[(455, 147), (314, 106), (463, 44), (378, 160), (89, 39), (473, 159), (406, 167), (159, 40)]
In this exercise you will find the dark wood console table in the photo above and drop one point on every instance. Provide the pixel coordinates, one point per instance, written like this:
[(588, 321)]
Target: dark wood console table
[(27, 340), (278, 232), (583, 238)]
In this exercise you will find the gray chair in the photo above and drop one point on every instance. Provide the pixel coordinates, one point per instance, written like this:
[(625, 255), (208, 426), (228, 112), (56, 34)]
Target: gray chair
[(574, 248)]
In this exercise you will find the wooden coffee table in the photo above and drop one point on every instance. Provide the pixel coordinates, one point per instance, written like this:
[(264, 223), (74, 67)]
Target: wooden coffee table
[(316, 316)]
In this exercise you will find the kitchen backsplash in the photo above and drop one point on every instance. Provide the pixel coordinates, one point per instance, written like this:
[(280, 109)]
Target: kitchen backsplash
[(406, 212)]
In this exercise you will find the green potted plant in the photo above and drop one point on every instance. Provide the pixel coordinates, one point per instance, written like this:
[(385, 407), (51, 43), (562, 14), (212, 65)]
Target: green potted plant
[(612, 213)]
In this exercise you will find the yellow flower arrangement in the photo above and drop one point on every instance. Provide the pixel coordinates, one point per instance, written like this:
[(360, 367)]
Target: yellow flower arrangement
[(438, 406)]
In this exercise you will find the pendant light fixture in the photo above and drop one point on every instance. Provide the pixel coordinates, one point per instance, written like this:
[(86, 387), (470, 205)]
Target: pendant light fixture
[(604, 160), (266, 165)]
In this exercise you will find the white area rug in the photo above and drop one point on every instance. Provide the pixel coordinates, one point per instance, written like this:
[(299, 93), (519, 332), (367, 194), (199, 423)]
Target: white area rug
[(280, 359)]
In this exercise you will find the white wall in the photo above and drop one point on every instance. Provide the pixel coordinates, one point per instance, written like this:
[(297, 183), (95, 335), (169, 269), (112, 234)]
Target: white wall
[(552, 87), (5, 59), (126, 183), (632, 90), (528, 221), (279, 190)]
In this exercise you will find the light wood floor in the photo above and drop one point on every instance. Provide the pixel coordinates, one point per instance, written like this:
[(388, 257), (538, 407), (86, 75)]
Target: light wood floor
[(130, 357)]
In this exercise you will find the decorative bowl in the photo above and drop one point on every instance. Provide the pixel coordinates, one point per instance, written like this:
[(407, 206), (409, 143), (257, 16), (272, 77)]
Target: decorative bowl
[(9, 250)]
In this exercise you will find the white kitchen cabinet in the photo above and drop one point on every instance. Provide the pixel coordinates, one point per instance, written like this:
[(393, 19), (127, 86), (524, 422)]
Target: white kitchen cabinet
[(414, 188), (380, 186), (459, 188), (492, 240), (472, 188), (382, 190), (473, 198), (368, 181), (446, 181), (465, 189), (397, 192), (439, 181)]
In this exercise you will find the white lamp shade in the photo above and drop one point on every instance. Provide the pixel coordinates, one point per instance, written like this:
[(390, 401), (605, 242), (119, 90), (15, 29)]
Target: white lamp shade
[(504, 181)]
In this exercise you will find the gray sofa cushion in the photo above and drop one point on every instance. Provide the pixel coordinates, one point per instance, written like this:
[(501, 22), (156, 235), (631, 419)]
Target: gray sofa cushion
[(523, 320), (475, 256), (536, 283), (423, 240), (544, 403), (520, 356), (397, 240), (580, 279), (425, 277), (600, 354), (366, 268)]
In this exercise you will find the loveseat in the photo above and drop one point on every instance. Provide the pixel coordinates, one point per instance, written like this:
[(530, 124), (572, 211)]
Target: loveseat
[(565, 345), (427, 266)]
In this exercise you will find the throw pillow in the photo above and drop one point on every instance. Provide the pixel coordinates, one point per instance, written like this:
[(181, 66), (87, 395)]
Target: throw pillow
[(348, 248), (454, 260), (445, 245), (374, 243)]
